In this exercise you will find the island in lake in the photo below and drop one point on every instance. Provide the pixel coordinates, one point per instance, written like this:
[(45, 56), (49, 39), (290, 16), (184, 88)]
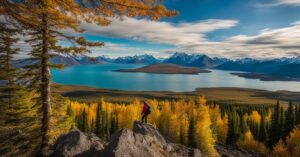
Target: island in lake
[(164, 68), (265, 77)]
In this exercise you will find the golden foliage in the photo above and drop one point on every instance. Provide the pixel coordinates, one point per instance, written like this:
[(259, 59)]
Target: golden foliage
[(291, 148), (293, 142), (170, 117), (204, 136), (249, 143), (280, 150), (255, 117)]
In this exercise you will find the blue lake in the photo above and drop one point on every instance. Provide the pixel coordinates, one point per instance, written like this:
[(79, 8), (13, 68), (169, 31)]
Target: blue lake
[(103, 76)]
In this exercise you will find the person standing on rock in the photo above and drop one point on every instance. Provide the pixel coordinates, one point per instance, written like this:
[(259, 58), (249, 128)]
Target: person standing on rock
[(145, 112)]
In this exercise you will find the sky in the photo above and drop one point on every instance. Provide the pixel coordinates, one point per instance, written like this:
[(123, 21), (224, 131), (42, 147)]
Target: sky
[(218, 28)]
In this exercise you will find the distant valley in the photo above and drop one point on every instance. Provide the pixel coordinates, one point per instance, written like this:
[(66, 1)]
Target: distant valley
[(279, 69)]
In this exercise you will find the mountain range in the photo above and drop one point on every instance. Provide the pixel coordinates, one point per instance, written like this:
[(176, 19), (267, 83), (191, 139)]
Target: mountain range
[(279, 67)]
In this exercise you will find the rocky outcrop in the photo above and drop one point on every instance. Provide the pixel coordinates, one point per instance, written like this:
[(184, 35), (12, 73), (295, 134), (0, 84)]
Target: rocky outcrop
[(78, 144), (145, 141)]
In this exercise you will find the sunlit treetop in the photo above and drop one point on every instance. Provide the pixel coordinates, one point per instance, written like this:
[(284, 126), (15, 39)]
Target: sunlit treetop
[(57, 15), (75, 11)]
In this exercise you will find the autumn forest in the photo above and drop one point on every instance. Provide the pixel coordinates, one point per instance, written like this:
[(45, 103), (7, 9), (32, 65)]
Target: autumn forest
[(33, 116)]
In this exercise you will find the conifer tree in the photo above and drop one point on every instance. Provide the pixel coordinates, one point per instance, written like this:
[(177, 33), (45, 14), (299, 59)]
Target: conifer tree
[(98, 128), (85, 124), (289, 120), (293, 143), (281, 124), (274, 131), (280, 150), (44, 20), (7, 72), (192, 133), (233, 131), (70, 111), (297, 114), (92, 128), (263, 129)]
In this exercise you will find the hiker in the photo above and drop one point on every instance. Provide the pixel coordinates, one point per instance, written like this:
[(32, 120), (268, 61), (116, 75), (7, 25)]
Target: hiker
[(145, 112)]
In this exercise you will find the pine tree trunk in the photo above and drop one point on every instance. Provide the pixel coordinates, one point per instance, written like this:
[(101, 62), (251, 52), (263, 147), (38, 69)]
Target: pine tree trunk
[(45, 87), (9, 79)]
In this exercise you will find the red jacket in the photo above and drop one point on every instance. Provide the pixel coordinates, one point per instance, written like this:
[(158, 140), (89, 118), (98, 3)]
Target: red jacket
[(145, 108)]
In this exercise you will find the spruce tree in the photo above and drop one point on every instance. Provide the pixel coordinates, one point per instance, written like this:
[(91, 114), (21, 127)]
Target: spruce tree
[(263, 136), (297, 114), (274, 131), (289, 120), (192, 133), (98, 122), (281, 124), (85, 124), (234, 131), (113, 124), (69, 111), (7, 73)]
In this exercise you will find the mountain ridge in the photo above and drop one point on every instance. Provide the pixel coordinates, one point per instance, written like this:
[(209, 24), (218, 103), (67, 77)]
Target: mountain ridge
[(283, 67)]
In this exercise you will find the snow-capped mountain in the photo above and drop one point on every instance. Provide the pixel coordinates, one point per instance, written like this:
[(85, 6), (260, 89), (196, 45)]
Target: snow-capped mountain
[(195, 60), (66, 60), (295, 60), (141, 59), (283, 67), (279, 66)]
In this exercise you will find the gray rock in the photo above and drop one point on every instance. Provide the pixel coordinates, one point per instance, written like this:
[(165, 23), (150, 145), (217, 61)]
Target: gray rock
[(232, 151), (145, 141), (78, 144)]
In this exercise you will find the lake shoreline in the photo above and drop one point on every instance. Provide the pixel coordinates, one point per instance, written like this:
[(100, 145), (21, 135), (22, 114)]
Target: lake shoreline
[(104, 76), (219, 94), (263, 77)]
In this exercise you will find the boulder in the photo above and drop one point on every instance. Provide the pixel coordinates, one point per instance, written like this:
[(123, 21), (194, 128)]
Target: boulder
[(145, 141), (142, 141), (78, 144)]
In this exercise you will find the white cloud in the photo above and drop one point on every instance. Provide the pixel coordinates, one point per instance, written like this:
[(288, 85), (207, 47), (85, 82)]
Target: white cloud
[(268, 43), (280, 2), (191, 37), (116, 50), (157, 31)]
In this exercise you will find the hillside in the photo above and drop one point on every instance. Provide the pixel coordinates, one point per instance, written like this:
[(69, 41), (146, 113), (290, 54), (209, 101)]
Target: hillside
[(163, 68)]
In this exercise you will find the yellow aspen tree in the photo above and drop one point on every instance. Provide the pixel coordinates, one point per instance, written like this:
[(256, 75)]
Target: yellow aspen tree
[(204, 136), (222, 128), (255, 117), (184, 128), (248, 142), (155, 114)]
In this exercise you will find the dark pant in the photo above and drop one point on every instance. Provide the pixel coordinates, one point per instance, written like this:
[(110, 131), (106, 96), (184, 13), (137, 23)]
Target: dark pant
[(144, 118)]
